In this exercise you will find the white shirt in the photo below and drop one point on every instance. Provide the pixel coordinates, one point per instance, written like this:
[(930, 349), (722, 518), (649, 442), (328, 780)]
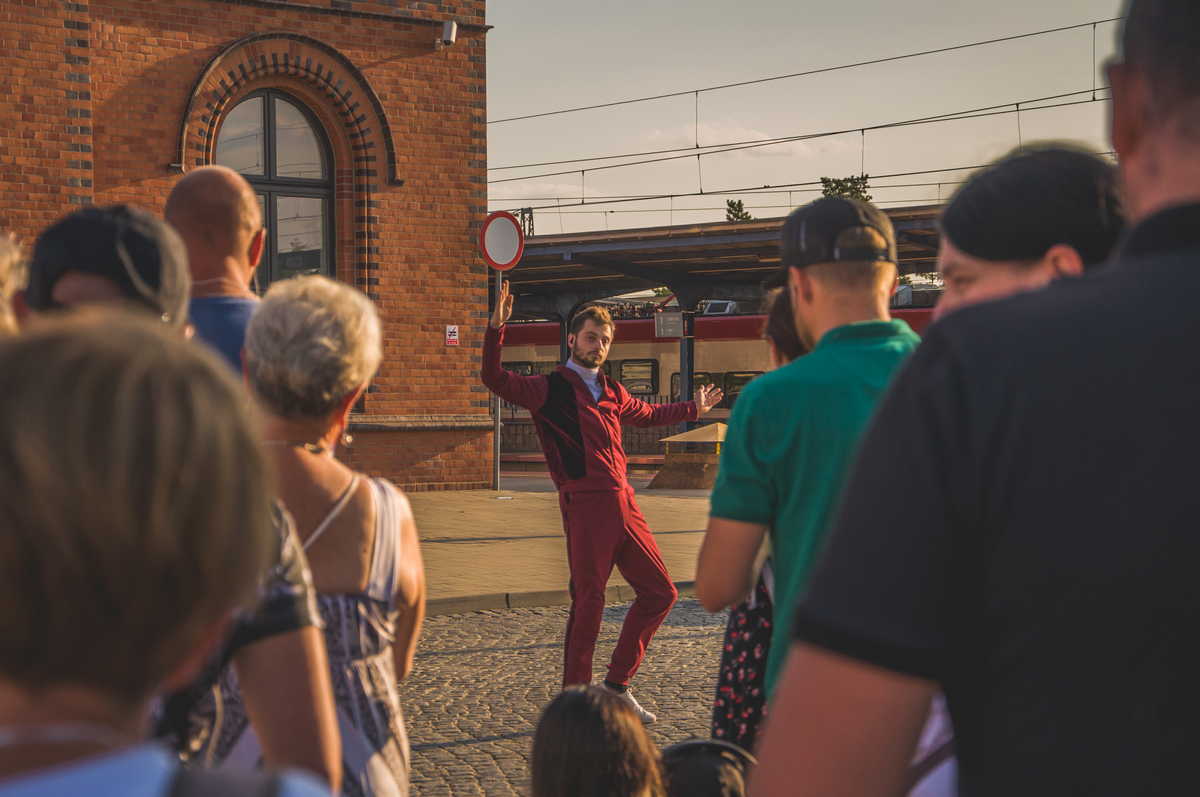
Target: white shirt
[(590, 377)]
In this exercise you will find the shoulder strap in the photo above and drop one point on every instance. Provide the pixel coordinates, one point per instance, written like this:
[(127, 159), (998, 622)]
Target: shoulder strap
[(220, 783), (347, 494), (391, 508)]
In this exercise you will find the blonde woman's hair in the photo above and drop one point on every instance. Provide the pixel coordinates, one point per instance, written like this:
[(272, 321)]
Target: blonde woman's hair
[(134, 508), (311, 343), (12, 279)]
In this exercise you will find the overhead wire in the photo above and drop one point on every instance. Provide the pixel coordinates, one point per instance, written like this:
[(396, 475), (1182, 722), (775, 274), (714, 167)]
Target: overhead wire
[(690, 150), (757, 192), (795, 187), (1000, 109), (806, 73)]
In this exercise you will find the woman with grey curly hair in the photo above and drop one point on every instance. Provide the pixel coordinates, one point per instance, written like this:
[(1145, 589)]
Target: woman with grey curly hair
[(311, 349)]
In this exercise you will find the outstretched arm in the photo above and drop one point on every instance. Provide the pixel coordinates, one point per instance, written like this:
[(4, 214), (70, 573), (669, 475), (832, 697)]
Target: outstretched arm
[(524, 391), (636, 412)]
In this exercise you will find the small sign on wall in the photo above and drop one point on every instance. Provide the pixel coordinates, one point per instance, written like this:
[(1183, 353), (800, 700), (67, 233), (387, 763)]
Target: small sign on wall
[(452, 334)]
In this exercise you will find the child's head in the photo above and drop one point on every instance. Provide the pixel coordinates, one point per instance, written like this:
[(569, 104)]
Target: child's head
[(590, 743), (704, 768)]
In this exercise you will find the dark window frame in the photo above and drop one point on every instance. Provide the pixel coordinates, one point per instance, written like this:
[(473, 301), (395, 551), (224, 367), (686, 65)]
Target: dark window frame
[(653, 374), (708, 377), (271, 187)]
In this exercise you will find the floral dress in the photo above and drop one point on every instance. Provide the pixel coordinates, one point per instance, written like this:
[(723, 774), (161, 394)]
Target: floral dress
[(741, 701)]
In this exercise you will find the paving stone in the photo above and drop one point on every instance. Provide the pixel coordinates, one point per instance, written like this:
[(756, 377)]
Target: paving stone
[(482, 678)]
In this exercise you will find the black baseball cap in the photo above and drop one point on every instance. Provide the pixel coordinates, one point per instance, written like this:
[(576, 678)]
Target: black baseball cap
[(137, 251), (829, 230)]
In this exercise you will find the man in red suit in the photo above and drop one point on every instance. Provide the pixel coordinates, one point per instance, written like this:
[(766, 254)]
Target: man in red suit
[(577, 412)]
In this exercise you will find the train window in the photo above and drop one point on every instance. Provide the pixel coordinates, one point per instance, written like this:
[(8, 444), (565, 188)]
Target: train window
[(734, 382), (639, 376), (544, 367), (698, 378), (524, 368)]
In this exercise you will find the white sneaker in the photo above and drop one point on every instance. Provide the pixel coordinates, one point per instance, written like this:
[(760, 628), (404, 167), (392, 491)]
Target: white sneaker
[(645, 716)]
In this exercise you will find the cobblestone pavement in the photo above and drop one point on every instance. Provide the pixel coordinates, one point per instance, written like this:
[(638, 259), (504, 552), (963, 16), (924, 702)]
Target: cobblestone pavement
[(482, 678)]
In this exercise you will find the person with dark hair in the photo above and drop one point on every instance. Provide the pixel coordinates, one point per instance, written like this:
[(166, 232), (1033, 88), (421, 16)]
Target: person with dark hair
[(1042, 212), (578, 413), (703, 768), (779, 330), (1019, 527), (590, 743), (741, 700), (116, 254)]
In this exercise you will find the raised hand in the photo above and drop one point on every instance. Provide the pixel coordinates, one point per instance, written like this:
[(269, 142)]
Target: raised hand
[(504, 305), (707, 397)]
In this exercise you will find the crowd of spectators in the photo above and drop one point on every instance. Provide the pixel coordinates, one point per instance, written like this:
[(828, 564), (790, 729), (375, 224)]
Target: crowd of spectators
[(977, 578)]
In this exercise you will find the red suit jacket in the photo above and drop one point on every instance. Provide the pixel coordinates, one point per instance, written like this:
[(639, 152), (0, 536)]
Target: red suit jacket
[(581, 437)]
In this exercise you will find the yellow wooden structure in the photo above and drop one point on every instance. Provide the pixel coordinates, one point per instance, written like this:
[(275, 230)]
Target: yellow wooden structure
[(684, 468)]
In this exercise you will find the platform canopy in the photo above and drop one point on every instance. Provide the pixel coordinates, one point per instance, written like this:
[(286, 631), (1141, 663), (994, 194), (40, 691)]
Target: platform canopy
[(717, 260)]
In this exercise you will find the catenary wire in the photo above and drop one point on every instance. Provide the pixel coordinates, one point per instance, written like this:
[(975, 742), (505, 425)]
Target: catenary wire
[(808, 72), (973, 113), (744, 190)]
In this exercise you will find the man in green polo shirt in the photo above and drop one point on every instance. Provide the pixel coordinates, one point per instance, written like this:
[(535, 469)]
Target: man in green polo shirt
[(793, 432)]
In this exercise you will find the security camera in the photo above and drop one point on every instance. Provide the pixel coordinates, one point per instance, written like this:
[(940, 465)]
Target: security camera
[(449, 34)]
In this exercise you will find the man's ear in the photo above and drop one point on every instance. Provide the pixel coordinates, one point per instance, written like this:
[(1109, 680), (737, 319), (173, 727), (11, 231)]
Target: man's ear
[(1063, 261), (571, 338), (1129, 111), (800, 284), (254, 251)]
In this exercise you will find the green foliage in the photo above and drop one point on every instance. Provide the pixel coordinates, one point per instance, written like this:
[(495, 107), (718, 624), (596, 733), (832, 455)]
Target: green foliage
[(852, 187), (662, 290), (736, 211)]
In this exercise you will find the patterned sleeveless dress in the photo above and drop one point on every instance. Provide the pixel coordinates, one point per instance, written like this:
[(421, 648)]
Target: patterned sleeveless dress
[(359, 631)]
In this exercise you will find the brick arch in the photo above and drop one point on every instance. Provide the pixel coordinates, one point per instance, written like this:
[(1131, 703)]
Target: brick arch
[(340, 97)]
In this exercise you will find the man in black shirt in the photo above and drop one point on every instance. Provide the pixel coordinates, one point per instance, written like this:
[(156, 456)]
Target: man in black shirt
[(1020, 529)]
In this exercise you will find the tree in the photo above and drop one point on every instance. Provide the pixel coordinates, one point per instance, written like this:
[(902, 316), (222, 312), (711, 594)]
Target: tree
[(736, 211), (852, 187)]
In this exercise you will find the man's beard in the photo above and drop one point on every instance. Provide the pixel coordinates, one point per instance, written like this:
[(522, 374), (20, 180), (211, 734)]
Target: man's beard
[(587, 359)]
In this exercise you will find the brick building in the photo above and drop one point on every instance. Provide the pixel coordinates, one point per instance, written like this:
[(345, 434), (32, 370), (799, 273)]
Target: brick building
[(365, 141)]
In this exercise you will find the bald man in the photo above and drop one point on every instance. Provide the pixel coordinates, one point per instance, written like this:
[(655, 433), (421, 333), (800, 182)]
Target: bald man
[(278, 650), (217, 214)]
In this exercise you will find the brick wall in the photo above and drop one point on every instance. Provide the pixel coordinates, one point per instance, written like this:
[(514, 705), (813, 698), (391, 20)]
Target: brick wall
[(110, 93)]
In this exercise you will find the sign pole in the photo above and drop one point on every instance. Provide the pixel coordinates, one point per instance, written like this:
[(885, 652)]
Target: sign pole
[(501, 242), (496, 279)]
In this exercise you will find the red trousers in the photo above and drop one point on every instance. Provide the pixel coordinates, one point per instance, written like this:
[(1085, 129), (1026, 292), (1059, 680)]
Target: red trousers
[(606, 528)]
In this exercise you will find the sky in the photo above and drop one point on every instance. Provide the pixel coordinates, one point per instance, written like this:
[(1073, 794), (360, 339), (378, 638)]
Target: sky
[(545, 55)]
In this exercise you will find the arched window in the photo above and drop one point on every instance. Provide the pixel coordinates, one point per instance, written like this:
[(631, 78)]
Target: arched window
[(277, 145)]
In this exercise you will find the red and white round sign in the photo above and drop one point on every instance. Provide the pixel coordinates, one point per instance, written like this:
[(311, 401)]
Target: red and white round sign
[(501, 240)]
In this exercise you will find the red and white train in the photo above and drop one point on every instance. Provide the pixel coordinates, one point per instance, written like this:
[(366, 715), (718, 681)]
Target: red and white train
[(730, 351)]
